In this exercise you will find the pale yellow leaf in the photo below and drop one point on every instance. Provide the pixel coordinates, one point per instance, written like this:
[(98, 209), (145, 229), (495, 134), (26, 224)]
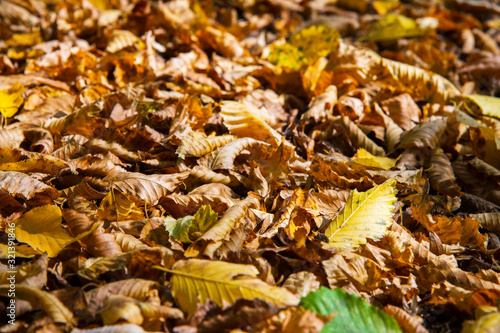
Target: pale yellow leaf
[(243, 120), (41, 229)]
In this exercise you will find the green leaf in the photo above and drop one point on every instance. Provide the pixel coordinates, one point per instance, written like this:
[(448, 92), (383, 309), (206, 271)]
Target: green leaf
[(304, 47), (188, 228), (353, 313)]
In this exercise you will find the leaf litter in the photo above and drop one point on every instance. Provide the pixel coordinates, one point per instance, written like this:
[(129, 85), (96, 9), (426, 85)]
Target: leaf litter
[(250, 166)]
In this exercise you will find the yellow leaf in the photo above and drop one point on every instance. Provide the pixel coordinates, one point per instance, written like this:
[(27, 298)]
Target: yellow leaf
[(195, 281), (105, 4), (394, 26), (197, 144), (368, 160), (365, 215), (212, 239), (304, 47), (11, 99), (441, 174), (41, 229), (50, 304), (384, 6), (243, 120)]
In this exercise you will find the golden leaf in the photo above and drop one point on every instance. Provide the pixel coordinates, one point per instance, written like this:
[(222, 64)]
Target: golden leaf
[(11, 99), (425, 135), (147, 187), (365, 215), (304, 47), (488, 323), (11, 138), (211, 240), (486, 145), (368, 160), (49, 303), (194, 281), (41, 229)]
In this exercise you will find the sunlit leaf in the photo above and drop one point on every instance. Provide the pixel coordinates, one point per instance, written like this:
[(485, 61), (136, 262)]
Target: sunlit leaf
[(304, 47), (212, 239), (384, 6), (188, 228), (368, 160), (116, 206), (195, 281), (394, 26), (482, 105), (365, 215), (488, 323)]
